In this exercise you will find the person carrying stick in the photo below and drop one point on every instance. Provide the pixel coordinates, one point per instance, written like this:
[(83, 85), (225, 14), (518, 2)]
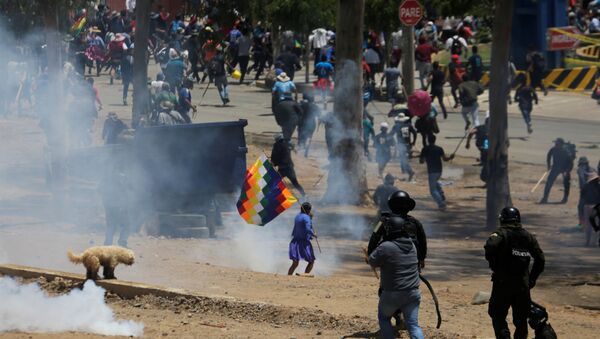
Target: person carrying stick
[(300, 246)]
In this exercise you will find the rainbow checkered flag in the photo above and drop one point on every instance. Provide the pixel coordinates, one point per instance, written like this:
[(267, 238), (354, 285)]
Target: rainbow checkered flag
[(264, 195)]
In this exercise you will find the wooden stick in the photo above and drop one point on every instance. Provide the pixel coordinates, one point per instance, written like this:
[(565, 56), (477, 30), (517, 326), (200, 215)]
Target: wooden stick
[(367, 258), (539, 181)]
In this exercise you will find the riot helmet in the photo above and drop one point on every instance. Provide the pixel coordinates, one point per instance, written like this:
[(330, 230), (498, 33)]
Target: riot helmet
[(509, 215), (400, 202)]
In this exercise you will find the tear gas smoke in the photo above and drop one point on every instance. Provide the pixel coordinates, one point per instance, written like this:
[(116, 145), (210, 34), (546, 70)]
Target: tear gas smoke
[(27, 308)]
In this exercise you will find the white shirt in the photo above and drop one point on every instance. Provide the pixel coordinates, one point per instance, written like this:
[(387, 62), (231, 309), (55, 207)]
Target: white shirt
[(130, 5), (397, 39), (319, 38), (371, 57), (595, 25)]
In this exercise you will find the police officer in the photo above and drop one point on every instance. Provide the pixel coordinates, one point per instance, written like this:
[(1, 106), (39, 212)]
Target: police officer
[(400, 204), (383, 192), (508, 251)]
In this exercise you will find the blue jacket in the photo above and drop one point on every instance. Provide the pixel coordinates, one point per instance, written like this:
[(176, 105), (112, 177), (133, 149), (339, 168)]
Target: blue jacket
[(302, 227)]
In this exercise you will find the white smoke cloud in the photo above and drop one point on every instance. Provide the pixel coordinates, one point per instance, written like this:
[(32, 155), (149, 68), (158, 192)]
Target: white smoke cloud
[(27, 308)]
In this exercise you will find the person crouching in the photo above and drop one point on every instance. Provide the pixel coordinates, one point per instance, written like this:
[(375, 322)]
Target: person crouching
[(300, 246), (397, 258)]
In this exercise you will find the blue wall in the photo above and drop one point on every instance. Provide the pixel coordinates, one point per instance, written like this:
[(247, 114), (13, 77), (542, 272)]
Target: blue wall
[(531, 18)]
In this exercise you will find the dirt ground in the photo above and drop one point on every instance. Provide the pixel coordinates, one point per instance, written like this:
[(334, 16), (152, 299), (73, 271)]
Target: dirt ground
[(248, 264)]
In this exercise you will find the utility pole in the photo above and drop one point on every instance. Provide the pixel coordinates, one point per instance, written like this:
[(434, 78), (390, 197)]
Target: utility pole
[(408, 59)]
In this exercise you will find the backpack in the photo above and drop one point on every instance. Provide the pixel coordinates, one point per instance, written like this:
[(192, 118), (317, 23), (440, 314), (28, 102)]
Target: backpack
[(572, 151), (456, 47)]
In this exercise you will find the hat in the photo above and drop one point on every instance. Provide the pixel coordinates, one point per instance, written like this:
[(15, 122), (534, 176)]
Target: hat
[(398, 107), (583, 160), (173, 53), (154, 15), (401, 117), (94, 29), (208, 29), (119, 37), (560, 140), (384, 125), (455, 57), (283, 77)]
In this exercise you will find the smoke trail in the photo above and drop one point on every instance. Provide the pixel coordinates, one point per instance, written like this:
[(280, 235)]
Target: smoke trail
[(27, 308)]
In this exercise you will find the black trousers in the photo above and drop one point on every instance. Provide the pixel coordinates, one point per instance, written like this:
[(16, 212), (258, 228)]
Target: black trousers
[(552, 177), (507, 295), (243, 60), (440, 96)]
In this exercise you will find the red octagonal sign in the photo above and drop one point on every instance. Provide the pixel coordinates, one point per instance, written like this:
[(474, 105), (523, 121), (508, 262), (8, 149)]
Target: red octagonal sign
[(410, 12)]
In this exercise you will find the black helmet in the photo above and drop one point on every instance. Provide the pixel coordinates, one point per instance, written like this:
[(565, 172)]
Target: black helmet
[(509, 215), (400, 202)]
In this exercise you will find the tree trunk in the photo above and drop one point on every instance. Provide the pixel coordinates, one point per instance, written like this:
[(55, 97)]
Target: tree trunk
[(347, 182), (498, 189), (141, 96)]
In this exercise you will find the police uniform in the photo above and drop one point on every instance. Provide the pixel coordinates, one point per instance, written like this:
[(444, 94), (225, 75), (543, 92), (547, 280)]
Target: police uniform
[(508, 251)]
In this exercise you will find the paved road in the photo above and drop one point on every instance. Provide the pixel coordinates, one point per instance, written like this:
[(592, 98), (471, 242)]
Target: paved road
[(572, 116)]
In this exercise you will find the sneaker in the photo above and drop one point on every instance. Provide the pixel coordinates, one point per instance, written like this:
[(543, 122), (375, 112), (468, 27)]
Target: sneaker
[(467, 125), (529, 129), (124, 101), (544, 201)]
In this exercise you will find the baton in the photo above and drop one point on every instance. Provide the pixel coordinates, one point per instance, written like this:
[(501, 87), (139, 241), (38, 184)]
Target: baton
[(539, 181), (435, 300)]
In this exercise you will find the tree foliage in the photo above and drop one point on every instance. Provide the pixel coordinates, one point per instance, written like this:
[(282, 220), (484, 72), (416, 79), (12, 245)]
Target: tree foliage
[(300, 15), (382, 15)]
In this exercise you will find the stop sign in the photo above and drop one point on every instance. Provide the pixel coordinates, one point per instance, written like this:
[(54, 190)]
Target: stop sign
[(410, 12)]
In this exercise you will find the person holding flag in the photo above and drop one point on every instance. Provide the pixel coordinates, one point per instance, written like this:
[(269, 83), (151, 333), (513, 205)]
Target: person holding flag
[(300, 246)]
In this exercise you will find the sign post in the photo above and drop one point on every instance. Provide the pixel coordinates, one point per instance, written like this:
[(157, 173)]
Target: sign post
[(410, 13)]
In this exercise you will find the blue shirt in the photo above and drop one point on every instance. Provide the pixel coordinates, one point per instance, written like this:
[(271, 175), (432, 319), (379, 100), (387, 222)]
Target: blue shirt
[(284, 90), (302, 227), (324, 69), (174, 70)]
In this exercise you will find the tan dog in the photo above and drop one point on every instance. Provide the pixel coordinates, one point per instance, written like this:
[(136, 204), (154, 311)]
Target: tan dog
[(106, 256)]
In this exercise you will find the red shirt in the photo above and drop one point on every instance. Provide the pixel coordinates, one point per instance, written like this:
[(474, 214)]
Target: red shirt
[(424, 52)]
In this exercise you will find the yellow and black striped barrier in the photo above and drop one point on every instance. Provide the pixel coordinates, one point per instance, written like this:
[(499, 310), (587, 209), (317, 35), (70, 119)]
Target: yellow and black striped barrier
[(572, 79), (562, 79), (589, 53)]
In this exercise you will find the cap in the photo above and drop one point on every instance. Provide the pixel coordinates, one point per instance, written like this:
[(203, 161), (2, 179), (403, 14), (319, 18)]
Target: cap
[(384, 125)]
